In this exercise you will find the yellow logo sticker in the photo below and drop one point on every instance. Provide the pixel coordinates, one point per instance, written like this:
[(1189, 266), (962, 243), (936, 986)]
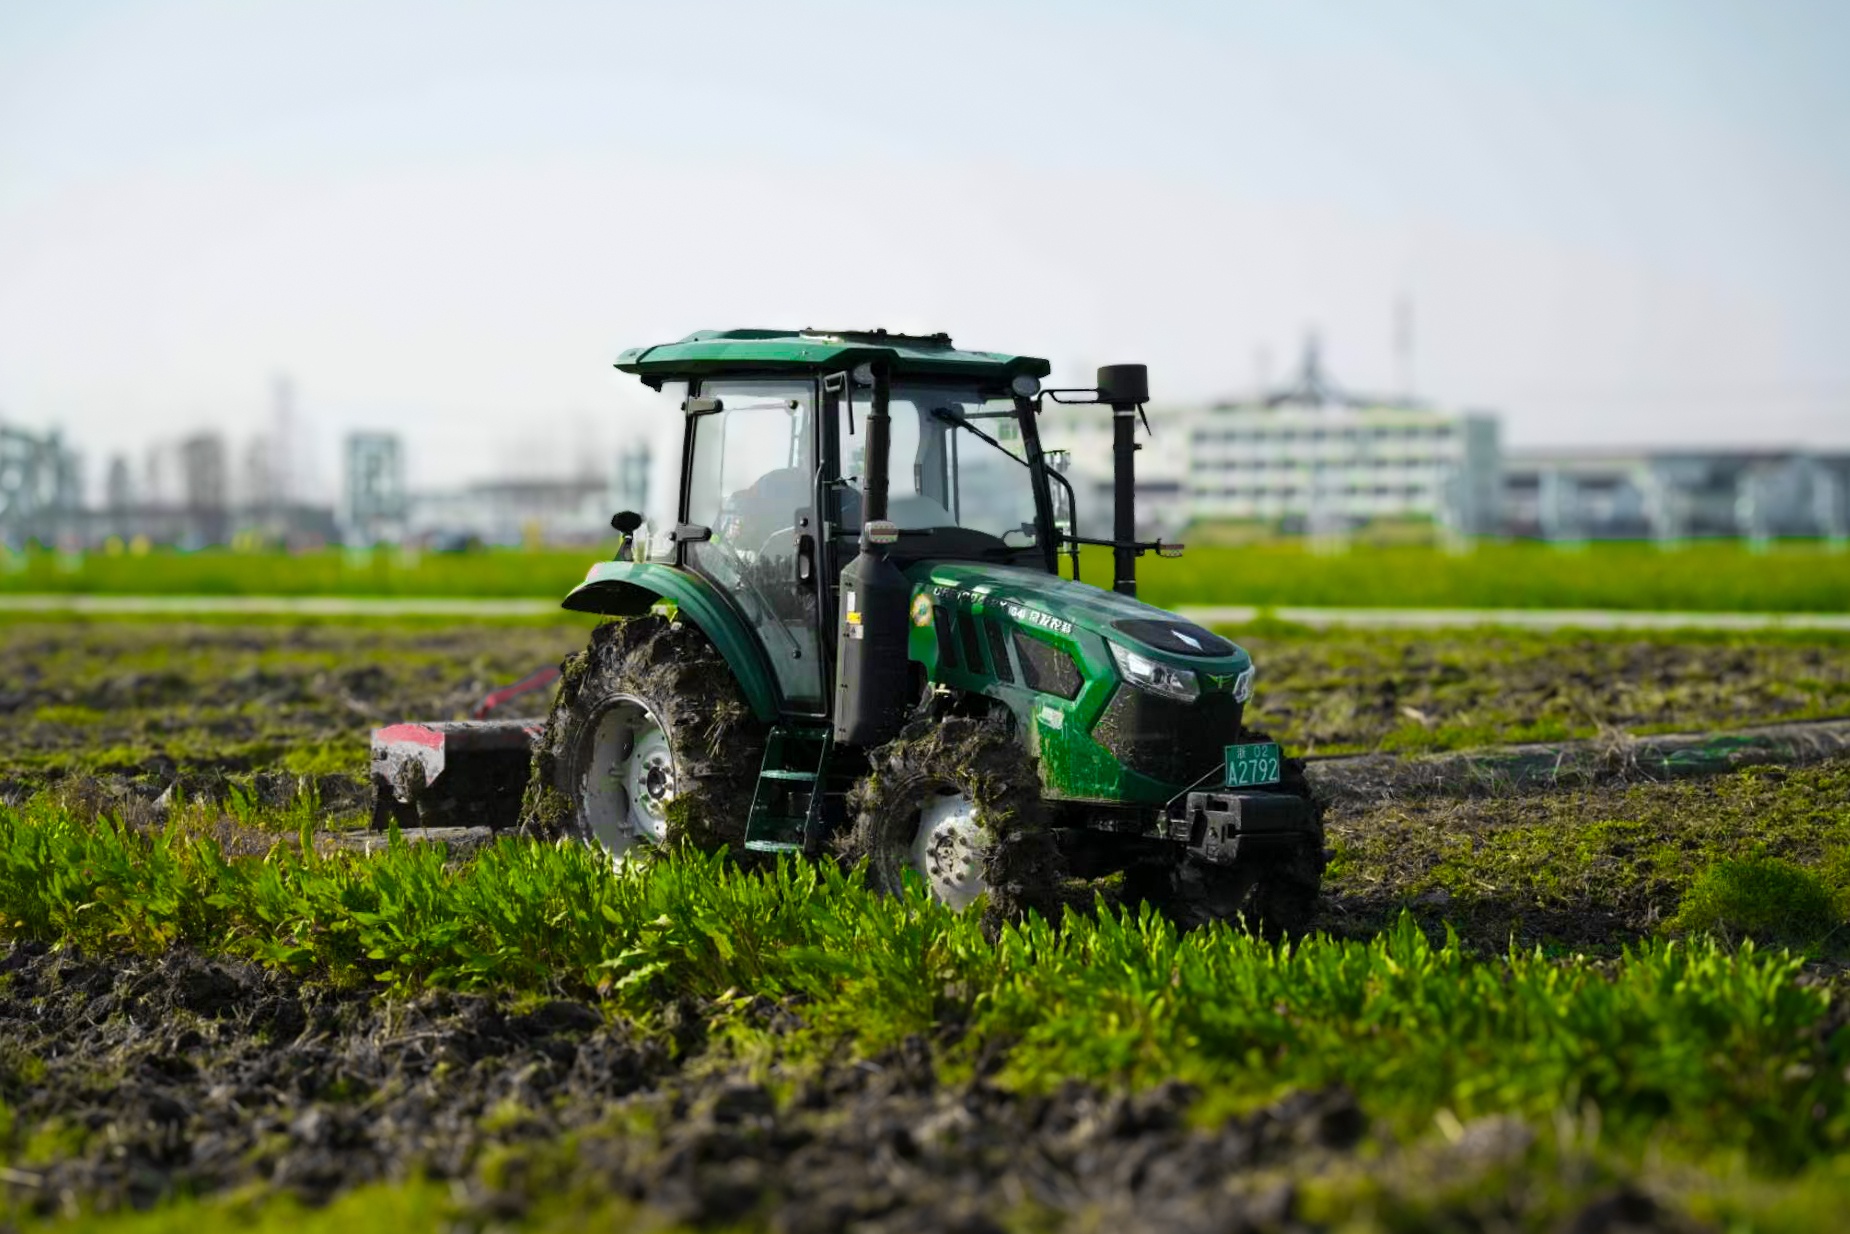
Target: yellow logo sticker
[(921, 609)]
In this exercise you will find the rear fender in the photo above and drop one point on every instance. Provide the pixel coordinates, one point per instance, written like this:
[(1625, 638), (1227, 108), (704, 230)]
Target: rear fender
[(632, 588)]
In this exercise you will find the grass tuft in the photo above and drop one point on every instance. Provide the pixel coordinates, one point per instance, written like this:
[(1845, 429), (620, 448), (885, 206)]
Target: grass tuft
[(1761, 897)]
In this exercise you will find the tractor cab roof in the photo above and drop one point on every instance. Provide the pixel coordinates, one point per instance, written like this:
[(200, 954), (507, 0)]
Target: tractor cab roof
[(709, 352)]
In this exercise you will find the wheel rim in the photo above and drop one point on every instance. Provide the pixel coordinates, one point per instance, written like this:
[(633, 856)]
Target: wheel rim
[(949, 849), (631, 778)]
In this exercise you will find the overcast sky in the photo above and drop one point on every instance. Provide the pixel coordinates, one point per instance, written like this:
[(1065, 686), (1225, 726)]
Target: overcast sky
[(1615, 222)]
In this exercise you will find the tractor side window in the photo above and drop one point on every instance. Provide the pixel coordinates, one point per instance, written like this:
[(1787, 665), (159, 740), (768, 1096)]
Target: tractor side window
[(751, 482)]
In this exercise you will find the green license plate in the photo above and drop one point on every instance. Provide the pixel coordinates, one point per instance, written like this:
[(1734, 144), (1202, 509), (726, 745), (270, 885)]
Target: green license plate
[(1248, 765)]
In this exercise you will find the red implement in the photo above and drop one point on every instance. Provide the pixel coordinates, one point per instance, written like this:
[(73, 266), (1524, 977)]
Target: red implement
[(462, 773)]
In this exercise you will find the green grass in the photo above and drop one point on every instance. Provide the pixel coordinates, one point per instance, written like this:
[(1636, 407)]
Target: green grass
[(1720, 575), (1688, 1047), (221, 572), (1703, 576)]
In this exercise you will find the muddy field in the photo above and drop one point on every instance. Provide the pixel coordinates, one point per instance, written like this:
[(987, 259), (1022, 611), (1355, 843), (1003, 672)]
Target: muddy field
[(1342, 691), (141, 704), (147, 702), (190, 1075), (136, 1080), (145, 1079)]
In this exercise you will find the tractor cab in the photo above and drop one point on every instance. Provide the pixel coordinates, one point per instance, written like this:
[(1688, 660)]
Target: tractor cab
[(774, 460)]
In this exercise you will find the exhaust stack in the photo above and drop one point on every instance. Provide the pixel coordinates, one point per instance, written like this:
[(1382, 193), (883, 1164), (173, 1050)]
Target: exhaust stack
[(1126, 388), (871, 667)]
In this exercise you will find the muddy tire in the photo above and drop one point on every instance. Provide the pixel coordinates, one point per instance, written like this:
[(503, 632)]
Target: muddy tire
[(649, 741), (1274, 892), (958, 803)]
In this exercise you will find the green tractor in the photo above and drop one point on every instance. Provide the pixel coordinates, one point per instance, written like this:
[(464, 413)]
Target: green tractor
[(863, 634)]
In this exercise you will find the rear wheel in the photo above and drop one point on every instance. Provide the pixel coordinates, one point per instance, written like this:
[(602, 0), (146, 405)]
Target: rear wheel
[(955, 804), (649, 742)]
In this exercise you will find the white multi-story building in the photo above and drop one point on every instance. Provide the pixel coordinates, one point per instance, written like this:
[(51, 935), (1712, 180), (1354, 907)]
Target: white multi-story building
[(1309, 458), (1333, 468)]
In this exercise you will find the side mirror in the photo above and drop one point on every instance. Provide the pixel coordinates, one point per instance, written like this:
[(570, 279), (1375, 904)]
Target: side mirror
[(625, 522)]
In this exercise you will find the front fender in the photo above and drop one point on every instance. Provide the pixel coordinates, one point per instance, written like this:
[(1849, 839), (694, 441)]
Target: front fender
[(631, 588)]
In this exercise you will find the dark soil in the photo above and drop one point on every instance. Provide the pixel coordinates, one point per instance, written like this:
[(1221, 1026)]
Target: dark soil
[(188, 1075)]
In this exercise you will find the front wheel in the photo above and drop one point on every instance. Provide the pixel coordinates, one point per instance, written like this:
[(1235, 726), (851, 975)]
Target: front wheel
[(650, 742), (955, 804)]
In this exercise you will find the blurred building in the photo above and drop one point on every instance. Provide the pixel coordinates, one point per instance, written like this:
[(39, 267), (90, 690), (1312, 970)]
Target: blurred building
[(629, 484), (189, 496), (41, 495), (374, 504), (1306, 458), (205, 486), (524, 511), (1673, 494), (538, 509)]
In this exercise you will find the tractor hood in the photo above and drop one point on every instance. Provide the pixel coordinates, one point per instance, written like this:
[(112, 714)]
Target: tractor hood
[(1034, 598), (1121, 702)]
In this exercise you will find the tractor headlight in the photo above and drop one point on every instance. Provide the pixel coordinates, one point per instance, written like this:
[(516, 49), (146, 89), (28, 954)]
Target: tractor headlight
[(1243, 685), (1147, 674)]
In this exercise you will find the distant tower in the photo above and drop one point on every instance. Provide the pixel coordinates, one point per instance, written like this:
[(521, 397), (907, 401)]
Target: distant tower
[(1403, 345), (629, 489), (373, 505), (258, 482), (1313, 388), (1312, 376), (119, 487), (39, 492), (203, 477), (284, 472)]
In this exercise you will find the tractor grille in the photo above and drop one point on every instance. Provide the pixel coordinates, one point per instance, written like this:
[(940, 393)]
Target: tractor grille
[(1169, 740), (1046, 669)]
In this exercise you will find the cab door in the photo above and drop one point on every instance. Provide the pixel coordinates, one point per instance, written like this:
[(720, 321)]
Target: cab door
[(751, 490)]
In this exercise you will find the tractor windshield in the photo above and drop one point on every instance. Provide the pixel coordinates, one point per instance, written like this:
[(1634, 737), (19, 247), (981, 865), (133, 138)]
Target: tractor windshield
[(956, 463)]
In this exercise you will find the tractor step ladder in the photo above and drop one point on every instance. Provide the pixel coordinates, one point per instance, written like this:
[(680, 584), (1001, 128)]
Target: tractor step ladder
[(788, 804)]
